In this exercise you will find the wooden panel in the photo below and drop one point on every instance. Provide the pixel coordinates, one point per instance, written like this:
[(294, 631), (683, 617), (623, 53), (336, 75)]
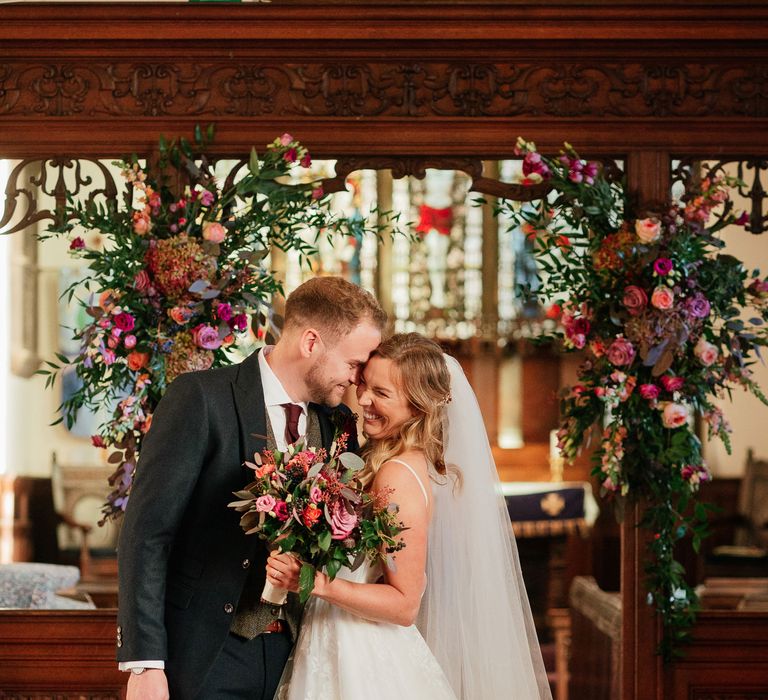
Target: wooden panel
[(66, 655), (384, 78), (727, 659)]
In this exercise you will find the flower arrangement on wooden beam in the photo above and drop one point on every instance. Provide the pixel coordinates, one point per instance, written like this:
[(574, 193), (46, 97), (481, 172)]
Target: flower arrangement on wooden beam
[(668, 323), (180, 277)]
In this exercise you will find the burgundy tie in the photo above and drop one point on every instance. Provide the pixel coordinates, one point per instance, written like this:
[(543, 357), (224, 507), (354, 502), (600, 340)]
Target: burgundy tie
[(292, 413)]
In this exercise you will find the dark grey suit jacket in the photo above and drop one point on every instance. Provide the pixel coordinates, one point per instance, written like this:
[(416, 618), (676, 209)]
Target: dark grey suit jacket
[(183, 558)]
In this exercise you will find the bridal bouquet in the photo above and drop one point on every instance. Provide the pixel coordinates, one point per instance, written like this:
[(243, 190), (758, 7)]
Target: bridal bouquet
[(310, 503)]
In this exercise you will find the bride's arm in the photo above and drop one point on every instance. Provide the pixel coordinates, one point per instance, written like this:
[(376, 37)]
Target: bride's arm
[(397, 599)]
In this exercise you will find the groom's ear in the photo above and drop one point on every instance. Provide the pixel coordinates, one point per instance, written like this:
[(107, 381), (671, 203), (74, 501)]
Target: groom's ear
[(310, 343)]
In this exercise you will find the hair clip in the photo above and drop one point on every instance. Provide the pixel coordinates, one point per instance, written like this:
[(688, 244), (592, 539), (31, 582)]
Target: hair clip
[(445, 400)]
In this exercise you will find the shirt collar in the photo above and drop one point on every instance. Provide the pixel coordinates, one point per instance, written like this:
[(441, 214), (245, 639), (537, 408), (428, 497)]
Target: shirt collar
[(274, 393)]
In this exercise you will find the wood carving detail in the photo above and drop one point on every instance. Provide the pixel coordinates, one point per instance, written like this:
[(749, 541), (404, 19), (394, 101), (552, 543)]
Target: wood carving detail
[(383, 89)]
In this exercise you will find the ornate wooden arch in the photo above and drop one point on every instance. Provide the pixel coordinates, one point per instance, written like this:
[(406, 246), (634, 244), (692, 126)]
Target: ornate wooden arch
[(401, 79)]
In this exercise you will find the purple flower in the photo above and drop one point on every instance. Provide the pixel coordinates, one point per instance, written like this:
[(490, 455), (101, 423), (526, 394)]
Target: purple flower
[(206, 198), (662, 266), (533, 165), (698, 305), (206, 337)]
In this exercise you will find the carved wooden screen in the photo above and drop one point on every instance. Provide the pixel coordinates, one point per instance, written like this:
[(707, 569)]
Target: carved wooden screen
[(407, 86)]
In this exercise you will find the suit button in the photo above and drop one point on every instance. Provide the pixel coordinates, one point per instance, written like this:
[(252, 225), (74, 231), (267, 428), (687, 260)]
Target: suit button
[(229, 608), (246, 563), (119, 642), (119, 629)]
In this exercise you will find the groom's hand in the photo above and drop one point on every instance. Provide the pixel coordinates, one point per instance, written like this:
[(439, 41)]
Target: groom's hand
[(150, 685), (283, 571)]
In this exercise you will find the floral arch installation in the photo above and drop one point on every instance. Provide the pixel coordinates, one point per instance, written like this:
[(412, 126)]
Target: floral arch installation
[(407, 83)]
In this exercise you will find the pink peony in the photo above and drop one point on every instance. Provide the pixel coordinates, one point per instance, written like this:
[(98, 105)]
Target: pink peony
[(342, 521), (706, 352), (621, 352), (663, 298), (648, 230), (206, 337), (265, 503), (214, 232), (124, 321), (673, 415), (671, 384), (635, 299), (649, 391)]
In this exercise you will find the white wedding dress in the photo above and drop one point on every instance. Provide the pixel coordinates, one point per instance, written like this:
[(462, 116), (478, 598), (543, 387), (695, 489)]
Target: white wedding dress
[(341, 656)]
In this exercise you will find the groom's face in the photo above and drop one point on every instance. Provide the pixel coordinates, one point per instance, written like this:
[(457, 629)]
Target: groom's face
[(340, 364)]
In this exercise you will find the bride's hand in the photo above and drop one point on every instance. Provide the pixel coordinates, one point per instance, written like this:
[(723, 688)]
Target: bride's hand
[(283, 571)]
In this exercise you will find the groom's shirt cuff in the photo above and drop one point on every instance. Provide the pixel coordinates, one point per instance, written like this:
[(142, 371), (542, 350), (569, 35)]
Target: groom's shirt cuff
[(128, 665)]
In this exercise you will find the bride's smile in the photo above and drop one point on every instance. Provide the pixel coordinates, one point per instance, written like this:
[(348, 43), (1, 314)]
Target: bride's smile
[(385, 406)]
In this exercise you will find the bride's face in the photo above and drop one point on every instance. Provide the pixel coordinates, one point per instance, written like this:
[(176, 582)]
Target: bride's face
[(385, 407)]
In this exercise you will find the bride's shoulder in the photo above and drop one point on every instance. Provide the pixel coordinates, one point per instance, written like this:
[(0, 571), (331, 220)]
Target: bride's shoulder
[(398, 467)]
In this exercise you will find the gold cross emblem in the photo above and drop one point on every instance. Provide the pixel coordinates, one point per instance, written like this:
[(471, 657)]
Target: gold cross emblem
[(552, 504)]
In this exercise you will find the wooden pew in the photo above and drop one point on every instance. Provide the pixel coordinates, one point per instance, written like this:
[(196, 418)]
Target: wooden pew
[(61, 655)]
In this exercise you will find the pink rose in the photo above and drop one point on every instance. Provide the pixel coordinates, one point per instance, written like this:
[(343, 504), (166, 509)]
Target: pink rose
[(281, 511), (635, 299), (124, 321), (286, 139), (141, 281), (265, 503), (671, 384), (663, 298), (224, 311), (621, 352), (648, 230), (342, 521), (130, 341), (206, 337), (673, 415), (305, 161), (706, 352), (214, 232), (315, 494), (649, 391)]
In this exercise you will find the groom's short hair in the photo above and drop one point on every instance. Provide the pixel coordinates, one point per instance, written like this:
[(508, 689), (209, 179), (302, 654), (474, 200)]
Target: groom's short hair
[(332, 305)]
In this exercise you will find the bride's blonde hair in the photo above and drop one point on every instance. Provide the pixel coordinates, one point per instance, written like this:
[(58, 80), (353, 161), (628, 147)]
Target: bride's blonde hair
[(423, 377)]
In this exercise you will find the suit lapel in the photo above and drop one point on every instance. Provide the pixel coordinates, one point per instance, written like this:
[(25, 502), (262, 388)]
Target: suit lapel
[(327, 430), (248, 396)]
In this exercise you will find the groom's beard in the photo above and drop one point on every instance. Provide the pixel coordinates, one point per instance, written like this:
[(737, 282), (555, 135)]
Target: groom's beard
[(322, 390)]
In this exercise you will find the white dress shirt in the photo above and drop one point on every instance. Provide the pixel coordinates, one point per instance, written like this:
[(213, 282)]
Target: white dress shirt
[(274, 396)]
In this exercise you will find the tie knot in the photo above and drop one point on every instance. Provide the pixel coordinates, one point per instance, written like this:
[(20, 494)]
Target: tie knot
[(292, 413)]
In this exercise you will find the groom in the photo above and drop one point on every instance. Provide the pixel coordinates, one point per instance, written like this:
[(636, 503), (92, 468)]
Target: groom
[(190, 622)]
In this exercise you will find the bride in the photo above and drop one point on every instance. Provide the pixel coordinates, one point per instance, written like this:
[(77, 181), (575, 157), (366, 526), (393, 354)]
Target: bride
[(451, 619)]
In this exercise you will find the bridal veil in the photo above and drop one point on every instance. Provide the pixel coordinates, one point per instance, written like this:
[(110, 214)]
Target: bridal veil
[(475, 614)]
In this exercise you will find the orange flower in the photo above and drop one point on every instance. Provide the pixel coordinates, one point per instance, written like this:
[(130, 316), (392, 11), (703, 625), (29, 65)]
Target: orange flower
[(311, 515), (137, 360)]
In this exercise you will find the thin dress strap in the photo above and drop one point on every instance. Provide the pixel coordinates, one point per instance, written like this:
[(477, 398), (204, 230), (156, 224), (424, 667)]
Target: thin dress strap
[(415, 475)]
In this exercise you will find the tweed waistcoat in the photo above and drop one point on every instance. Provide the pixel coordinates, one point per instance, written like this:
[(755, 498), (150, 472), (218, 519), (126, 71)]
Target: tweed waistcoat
[(252, 615)]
